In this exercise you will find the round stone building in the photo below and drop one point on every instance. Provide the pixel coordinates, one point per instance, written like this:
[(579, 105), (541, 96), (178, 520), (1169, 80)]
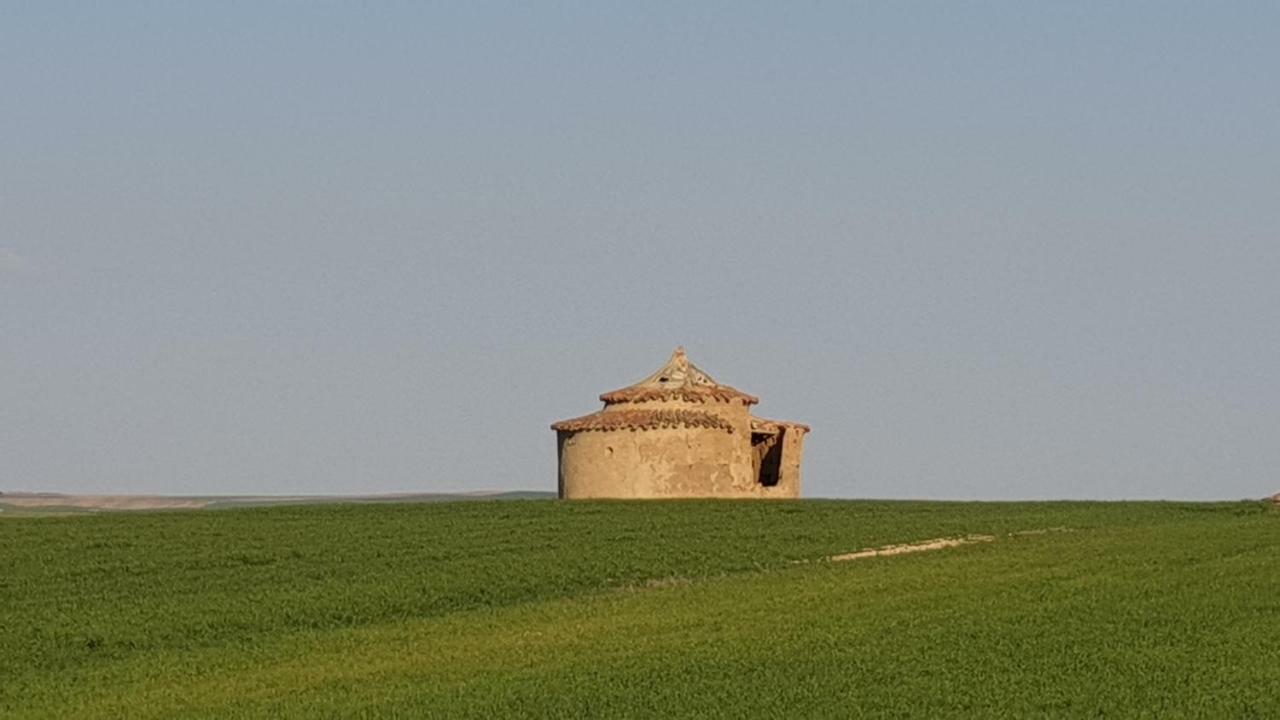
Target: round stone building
[(678, 434)]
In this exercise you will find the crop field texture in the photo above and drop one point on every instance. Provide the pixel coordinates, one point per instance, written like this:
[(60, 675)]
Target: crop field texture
[(657, 609)]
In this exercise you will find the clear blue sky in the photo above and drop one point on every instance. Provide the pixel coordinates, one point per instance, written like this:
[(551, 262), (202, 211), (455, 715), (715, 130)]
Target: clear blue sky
[(988, 250)]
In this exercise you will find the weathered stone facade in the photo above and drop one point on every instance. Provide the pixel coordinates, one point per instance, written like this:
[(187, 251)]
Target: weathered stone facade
[(678, 434)]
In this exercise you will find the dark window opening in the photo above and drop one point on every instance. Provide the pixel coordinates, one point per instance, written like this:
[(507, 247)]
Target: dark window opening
[(768, 457)]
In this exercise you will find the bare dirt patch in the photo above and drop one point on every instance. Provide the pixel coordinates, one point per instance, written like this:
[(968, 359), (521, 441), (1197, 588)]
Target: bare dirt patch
[(935, 544), (923, 546)]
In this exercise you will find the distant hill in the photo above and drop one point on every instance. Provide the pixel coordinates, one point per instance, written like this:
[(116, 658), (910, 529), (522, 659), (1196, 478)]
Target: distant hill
[(68, 503)]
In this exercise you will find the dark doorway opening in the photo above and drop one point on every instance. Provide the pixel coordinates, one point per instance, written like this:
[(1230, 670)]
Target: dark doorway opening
[(768, 457)]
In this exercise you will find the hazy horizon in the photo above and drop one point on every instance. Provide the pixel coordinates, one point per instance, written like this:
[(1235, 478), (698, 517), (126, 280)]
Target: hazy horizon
[(1011, 251)]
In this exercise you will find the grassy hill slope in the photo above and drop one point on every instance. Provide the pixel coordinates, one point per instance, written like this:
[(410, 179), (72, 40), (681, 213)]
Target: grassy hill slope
[(643, 609)]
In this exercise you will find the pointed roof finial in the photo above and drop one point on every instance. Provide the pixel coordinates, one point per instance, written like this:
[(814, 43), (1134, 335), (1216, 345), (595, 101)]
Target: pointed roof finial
[(679, 360)]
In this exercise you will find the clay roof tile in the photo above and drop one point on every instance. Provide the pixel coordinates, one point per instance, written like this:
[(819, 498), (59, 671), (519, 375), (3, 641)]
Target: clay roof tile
[(641, 419), (679, 379)]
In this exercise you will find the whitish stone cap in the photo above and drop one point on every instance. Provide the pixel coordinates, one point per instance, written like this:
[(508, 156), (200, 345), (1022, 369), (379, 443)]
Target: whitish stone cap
[(766, 426)]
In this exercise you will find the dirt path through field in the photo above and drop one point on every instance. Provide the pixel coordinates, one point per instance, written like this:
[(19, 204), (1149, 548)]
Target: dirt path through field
[(883, 551), (926, 545), (935, 544)]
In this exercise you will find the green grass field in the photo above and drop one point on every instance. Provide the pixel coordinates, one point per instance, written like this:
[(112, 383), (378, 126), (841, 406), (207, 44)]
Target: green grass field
[(548, 609)]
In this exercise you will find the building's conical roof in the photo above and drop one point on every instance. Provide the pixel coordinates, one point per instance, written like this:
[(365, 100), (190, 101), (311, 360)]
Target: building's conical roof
[(678, 379)]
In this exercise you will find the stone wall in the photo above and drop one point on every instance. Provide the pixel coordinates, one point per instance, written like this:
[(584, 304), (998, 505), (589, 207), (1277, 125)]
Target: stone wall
[(669, 463)]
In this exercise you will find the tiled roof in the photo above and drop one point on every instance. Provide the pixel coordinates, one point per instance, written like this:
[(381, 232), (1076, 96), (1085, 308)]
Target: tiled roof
[(643, 420), (679, 379), (720, 393)]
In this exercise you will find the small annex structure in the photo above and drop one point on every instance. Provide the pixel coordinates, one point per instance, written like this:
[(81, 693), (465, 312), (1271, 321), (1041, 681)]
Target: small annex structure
[(678, 434)]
